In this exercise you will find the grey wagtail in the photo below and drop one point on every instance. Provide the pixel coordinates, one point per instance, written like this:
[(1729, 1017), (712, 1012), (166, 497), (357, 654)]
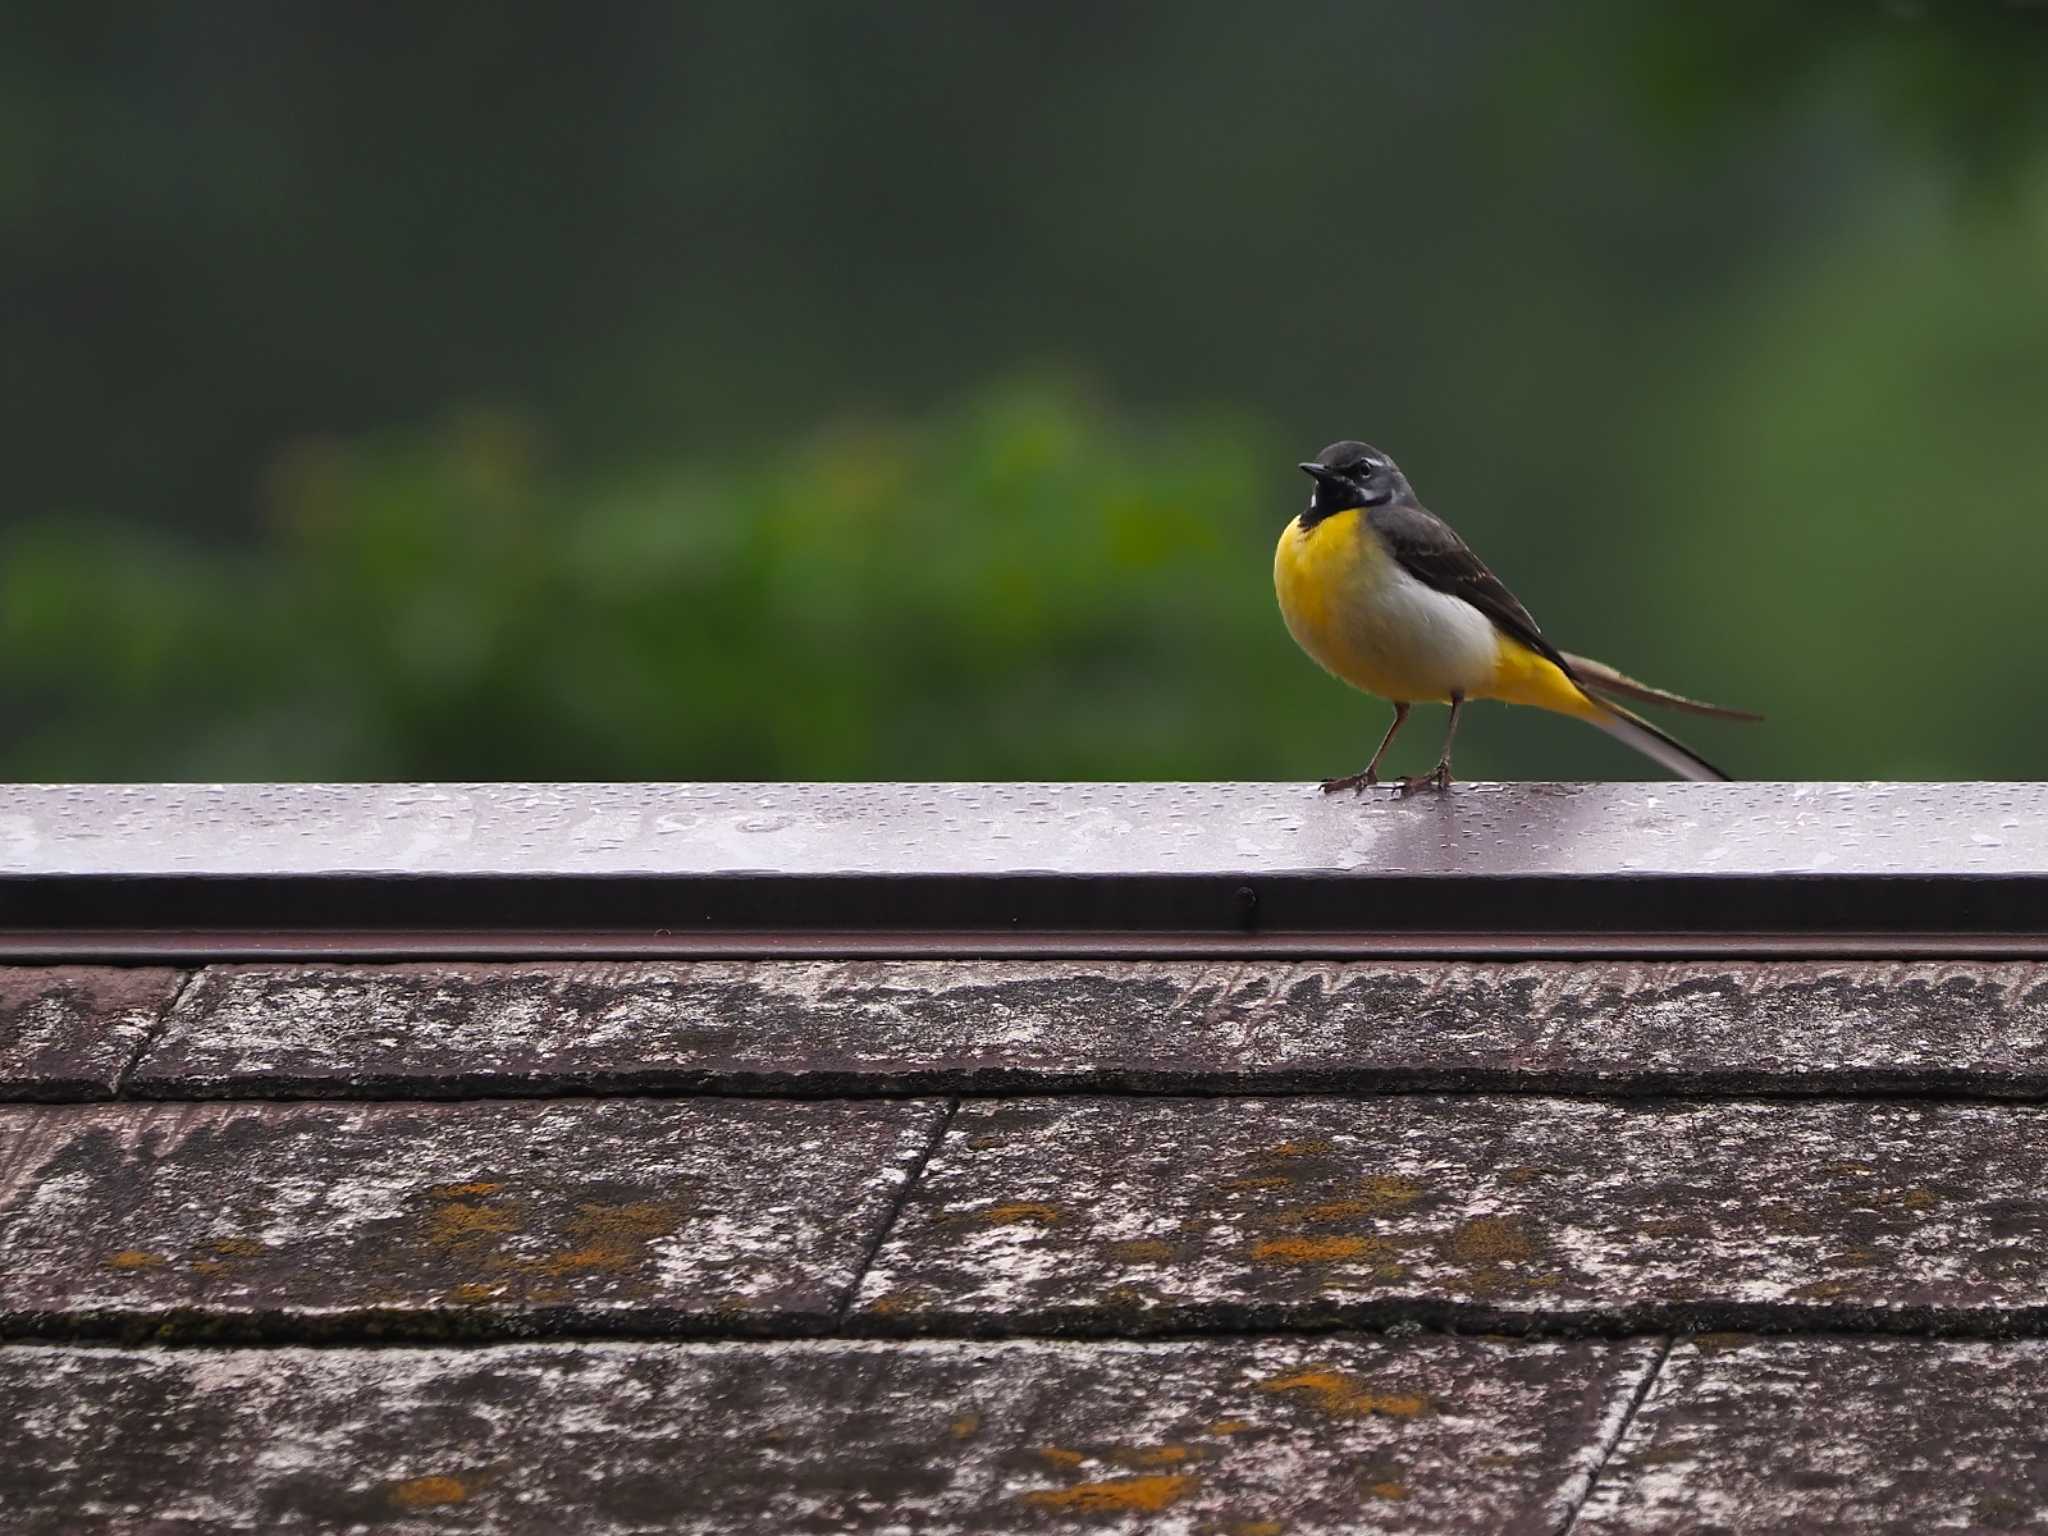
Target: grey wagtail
[(1383, 594)]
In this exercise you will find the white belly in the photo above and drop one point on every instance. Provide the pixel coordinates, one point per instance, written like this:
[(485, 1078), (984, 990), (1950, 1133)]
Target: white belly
[(1440, 644), (1352, 607), (1403, 640)]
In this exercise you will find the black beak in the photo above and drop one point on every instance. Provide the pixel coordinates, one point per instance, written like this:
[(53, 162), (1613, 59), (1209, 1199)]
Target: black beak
[(1321, 473)]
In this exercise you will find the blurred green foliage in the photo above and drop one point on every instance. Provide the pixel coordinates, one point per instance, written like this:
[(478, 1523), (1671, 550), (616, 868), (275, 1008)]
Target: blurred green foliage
[(813, 392), (1015, 583)]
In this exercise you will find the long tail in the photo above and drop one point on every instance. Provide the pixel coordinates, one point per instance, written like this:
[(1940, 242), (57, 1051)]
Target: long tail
[(1607, 685), (1667, 751), (1587, 691)]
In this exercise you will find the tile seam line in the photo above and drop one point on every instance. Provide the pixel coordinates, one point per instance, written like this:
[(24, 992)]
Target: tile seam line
[(2032, 1097), (914, 1176), (1614, 1444), (158, 1028), (1958, 949), (207, 1332)]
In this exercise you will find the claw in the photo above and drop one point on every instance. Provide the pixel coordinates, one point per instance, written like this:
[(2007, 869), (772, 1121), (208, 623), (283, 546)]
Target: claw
[(1439, 780), (1357, 783)]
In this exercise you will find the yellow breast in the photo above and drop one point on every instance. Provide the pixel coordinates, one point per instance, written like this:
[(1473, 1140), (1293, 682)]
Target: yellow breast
[(1311, 568), (1350, 605)]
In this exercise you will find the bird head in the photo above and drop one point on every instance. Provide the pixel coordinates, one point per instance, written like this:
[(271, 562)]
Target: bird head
[(1351, 474)]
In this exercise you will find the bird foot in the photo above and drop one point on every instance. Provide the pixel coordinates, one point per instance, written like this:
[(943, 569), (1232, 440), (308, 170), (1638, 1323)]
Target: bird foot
[(1438, 780), (1357, 783)]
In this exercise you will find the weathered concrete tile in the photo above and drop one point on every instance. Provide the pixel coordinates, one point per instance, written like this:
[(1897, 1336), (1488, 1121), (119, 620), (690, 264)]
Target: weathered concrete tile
[(1866, 1435), (1110, 1215), (931, 1026), (817, 1026), (444, 1218), (68, 1032), (1218, 1436)]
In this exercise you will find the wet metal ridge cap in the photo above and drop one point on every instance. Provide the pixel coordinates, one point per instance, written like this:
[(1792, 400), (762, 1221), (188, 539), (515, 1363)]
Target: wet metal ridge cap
[(671, 865), (1579, 830)]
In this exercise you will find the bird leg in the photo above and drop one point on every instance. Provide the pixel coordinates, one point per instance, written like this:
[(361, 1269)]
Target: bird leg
[(1358, 783), (1441, 778)]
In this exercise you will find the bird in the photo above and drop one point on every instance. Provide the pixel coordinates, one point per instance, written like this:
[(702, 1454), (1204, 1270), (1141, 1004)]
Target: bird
[(1384, 595)]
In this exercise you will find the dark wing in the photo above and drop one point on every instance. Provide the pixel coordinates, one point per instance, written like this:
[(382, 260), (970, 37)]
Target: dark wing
[(1431, 551)]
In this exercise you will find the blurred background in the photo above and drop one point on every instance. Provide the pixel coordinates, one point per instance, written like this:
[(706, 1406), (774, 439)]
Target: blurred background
[(642, 391)]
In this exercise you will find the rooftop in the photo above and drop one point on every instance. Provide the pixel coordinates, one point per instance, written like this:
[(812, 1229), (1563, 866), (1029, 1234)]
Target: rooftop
[(1199, 1158)]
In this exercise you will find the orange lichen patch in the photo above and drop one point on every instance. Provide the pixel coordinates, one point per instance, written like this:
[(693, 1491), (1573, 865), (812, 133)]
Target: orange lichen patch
[(1345, 1396), (428, 1492), (1919, 1199), (1151, 1456), (1117, 1495), (211, 1259), (609, 1257), (135, 1258), (965, 1424), (1490, 1240), (1014, 1212), (611, 1237), (1392, 1191), (608, 1238), (469, 1191), (471, 1293), (895, 1303), (1313, 1148), (635, 1221), (1262, 1181), (1060, 1456), (1141, 1250), (1230, 1426), (1255, 1528), (1312, 1250), (1389, 1489), (1527, 1174), (461, 1222), (1337, 1210)]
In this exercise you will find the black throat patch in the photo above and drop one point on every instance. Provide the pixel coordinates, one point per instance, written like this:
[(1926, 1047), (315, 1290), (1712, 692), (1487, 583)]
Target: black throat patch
[(1322, 506)]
